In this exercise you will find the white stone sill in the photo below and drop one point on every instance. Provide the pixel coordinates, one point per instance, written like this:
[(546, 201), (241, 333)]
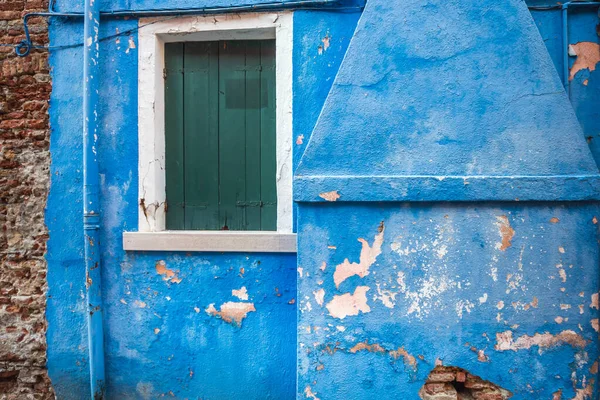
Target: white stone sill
[(211, 241)]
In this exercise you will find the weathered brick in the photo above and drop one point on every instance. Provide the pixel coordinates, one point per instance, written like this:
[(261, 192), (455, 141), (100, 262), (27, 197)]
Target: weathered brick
[(24, 165)]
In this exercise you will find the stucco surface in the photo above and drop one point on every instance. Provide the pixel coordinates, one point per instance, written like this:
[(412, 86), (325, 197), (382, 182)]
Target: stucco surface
[(507, 292), (164, 333), (447, 89), (429, 99)]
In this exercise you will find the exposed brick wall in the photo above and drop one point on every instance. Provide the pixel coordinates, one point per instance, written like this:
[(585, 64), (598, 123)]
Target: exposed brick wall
[(452, 383), (24, 164)]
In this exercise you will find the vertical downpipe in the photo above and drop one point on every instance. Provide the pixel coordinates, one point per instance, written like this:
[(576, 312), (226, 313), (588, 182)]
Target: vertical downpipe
[(565, 43), (91, 200)]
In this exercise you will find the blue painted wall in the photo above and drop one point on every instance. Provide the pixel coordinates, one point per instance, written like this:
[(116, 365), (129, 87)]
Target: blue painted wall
[(444, 288), (161, 341), (159, 338), (137, 5), (408, 258)]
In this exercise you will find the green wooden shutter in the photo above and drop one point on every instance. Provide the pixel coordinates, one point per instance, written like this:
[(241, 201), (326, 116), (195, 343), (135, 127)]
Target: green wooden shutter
[(201, 137), (268, 163), (174, 144), (220, 135)]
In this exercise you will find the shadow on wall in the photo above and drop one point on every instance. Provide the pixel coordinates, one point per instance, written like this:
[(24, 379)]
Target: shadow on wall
[(453, 383)]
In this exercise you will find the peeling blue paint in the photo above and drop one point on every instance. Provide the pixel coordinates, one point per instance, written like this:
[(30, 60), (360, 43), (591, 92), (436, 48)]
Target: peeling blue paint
[(442, 289), (193, 353), (448, 278)]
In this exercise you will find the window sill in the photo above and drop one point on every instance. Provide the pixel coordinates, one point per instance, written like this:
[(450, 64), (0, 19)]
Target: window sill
[(209, 241)]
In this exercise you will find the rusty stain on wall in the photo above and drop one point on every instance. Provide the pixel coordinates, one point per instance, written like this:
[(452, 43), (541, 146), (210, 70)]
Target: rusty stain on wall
[(505, 342), (231, 312), (367, 258), (588, 55), (557, 395), (409, 360), (167, 274), (506, 232)]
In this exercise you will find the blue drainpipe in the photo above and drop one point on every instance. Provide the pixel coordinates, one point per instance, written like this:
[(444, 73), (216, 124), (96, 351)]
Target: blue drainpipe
[(565, 37), (91, 199)]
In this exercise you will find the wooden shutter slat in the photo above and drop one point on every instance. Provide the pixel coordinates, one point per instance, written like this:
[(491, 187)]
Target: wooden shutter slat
[(201, 76), (174, 138), (268, 138), (253, 132), (232, 140)]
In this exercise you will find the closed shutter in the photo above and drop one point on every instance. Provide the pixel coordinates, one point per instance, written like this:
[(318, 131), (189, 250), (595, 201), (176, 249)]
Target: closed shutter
[(220, 135)]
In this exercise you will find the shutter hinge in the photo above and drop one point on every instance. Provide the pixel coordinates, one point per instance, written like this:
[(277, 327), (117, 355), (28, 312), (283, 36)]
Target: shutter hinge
[(164, 73)]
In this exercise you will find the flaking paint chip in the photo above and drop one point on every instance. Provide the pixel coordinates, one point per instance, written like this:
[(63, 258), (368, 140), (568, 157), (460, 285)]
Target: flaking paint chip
[(506, 232), (349, 304), (231, 312), (330, 196), (588, 55), (241, 293), (368, 256)]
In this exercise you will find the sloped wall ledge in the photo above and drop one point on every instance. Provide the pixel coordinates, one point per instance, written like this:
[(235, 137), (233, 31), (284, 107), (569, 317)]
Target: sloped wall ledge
[(448, 189)]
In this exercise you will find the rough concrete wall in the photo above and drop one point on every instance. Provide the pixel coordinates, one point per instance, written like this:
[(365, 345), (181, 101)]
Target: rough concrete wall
[(24, 161)]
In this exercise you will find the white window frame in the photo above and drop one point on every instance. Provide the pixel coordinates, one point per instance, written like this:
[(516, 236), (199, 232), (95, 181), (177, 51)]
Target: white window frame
[(152, 36)]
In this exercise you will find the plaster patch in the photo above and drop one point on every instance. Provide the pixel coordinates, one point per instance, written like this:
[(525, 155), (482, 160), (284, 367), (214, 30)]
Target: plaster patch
[(594, 323), (409, 359), (387, 297), (231, 312), (330, 196), (319, 296), (241, 294), (463, 305), (326, 42), (167, 274), (365, 346), (584, 393), (506, 233), (130, 44), (563, 275), (481, 357), (588, 55), (505, 342), (594, 303), (368, 256), (309, 393), (139, 304), (349, 304), (428, 295)]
